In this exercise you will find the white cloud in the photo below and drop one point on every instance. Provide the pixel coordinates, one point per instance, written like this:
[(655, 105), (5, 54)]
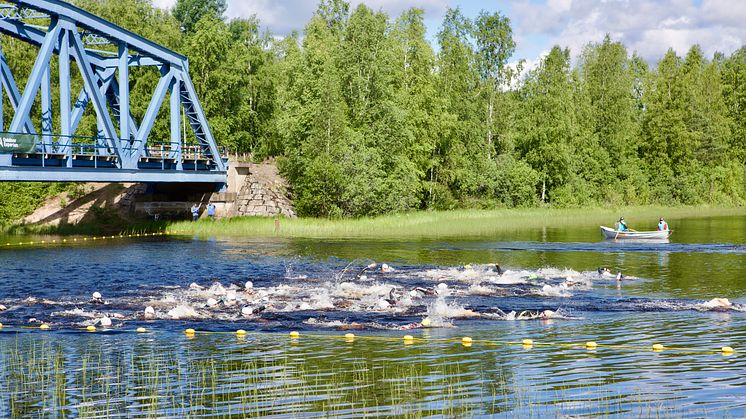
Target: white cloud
[(649, 27), (394, 8), (164, 4), (282, 17)]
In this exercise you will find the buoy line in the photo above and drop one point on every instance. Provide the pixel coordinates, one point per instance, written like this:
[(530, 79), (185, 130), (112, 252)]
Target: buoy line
[(84, 239), (466, 341)]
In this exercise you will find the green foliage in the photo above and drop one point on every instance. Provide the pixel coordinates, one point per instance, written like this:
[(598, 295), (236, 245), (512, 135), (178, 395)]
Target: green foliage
[(189, 12), (733, 74), (22, 198), (366, 118), (548, 127)]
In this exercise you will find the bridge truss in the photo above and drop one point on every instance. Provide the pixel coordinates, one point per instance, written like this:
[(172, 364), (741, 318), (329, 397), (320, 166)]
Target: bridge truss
[(122, 151)]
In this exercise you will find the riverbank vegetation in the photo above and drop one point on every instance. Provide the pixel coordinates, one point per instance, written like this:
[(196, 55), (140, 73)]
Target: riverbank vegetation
[(367, 117), (440, 224)]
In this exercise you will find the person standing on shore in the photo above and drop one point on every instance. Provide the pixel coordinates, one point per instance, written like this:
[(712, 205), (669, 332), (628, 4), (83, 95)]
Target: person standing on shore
[(211, 210), (195, 212)]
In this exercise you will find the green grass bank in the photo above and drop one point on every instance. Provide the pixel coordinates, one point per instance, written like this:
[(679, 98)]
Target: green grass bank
[(460, 223)]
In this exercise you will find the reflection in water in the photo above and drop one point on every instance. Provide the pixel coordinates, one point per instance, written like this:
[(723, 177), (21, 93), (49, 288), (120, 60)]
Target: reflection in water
[(168, 374), (678, 299)]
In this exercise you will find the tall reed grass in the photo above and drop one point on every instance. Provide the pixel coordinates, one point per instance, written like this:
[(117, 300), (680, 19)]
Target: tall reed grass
[(437, 224), (167, 376)]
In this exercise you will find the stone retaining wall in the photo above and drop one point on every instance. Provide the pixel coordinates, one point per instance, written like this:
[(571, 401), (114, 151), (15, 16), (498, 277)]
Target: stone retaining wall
[(264, 193)]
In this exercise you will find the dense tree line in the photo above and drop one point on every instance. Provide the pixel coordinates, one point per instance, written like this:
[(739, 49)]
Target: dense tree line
[(366, 117)]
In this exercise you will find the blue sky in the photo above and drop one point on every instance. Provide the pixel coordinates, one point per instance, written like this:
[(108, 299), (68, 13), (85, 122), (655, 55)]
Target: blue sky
[(649, 27)]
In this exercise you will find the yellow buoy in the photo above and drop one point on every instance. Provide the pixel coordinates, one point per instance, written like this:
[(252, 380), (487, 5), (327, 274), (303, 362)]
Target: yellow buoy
[(349, 336), (140, 330), (44, 327), (591, 345), (1, 325), (241, 332), (658, 347), (189, 331), (408, 339), (527, 342), (727, 350), (294, 335), (426, 322), (91, 328), (466, 339)]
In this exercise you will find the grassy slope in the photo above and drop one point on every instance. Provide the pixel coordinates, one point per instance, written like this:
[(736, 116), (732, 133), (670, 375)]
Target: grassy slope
[(460, 223)]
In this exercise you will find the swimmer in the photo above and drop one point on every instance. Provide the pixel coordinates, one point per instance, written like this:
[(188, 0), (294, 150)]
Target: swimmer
[(410, 326), (532, 315), (419, 292), (620, 276), (394, 297), (716, 304), (382, 304), (362, 275), (603, 271), (96, 298), (498, 270), (149, 312)]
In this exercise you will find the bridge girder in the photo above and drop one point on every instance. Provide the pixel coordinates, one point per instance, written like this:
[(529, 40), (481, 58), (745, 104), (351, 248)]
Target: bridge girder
[(74, 35)]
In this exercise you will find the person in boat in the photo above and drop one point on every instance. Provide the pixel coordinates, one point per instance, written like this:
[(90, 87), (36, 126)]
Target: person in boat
[(662, 225), (621, 225)]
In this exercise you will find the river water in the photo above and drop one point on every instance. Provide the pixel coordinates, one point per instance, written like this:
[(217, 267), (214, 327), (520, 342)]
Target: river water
[(549, 290)]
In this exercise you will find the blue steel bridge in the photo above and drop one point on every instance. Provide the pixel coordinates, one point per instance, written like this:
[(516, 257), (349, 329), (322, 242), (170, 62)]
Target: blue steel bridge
[(41, 141)]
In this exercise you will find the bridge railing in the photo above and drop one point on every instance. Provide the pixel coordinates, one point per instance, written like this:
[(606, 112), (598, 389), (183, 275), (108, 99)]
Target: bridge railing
[(97, 151)]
